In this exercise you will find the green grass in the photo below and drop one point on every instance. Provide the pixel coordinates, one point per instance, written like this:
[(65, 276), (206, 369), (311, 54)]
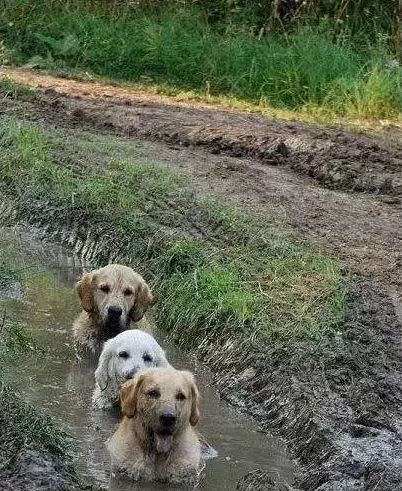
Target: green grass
[(23, 427), (216, 271), (13, 340), (307, 69)]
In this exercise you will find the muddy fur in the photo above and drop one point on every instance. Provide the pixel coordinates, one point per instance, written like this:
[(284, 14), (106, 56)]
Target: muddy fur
[(143, 446), (112, 287)]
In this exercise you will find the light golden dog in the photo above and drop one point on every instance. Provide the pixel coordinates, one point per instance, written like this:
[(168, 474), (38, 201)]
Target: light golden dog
[(156, 440), (112, 299)]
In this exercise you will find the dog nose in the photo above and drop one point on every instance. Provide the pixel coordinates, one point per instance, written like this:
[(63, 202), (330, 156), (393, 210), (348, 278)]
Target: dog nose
[(167, 419), (130, 373), (114, 311)]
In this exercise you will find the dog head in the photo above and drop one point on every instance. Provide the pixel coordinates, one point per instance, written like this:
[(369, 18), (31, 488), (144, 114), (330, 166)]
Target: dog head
[(164, 402), (114, 295), (126, 354)]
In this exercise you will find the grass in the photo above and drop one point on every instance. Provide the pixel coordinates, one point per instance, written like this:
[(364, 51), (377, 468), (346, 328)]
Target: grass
[(305, 70), (14, 90), (22, 427), (219, 272)]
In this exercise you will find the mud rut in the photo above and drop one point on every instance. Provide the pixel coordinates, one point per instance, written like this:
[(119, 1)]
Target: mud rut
[(338, 404)]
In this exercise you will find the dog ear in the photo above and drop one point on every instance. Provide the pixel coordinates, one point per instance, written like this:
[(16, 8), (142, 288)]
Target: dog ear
[(102, 372), (195, 399), (84, 289), (161, 360), (144, 299), (129, 394)]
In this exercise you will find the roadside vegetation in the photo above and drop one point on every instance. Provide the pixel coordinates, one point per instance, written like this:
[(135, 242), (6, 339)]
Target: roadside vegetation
[(218, 272), (331, 59)]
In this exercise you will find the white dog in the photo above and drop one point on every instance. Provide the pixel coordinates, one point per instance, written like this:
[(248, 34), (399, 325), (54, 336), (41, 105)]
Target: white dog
[(121, 358)]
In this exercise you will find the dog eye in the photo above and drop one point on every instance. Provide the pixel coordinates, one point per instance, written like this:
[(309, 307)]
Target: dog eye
[(123, 354), (154, 394), (105, 288), (147, 358), (180, 396), (128, 291)]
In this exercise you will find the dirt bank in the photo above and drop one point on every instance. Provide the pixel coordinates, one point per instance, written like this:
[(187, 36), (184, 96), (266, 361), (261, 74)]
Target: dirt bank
[(34, 454), (335, 158), (338, 403)]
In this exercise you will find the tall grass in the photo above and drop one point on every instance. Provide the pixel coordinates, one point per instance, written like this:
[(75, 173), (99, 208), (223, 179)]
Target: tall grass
[(217, 272), (304, 68)]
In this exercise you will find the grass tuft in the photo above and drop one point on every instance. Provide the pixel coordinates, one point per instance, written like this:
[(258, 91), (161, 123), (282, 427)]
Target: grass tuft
[(15, 90), (22, 427)]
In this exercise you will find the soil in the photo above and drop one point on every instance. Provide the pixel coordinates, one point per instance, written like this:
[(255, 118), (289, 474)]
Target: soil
[(37, 471), (338, 403)]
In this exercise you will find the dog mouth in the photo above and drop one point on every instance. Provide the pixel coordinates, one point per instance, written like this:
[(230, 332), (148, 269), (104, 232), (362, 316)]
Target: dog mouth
[(111, 326), (163, 441)]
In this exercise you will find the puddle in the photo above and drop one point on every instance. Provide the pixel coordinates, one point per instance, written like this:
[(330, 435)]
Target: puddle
[(56, 383)]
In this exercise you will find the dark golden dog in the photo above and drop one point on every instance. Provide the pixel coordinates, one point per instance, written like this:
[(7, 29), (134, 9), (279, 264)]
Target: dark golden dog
[(112, 298)]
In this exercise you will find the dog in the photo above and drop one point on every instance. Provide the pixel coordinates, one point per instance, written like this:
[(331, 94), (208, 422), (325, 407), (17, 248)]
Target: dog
[(156, 440), (112, 299), (121, 358)]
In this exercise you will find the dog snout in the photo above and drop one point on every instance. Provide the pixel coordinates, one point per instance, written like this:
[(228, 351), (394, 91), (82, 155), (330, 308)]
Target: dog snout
[(167, 419), (114, 311), (129, 374)]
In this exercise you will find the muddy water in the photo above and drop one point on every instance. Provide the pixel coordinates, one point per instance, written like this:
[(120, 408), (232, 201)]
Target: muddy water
[(56, 383)]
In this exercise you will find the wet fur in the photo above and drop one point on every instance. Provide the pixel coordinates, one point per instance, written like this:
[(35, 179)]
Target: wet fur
[(113, 371), (92, 327), (132, 447)]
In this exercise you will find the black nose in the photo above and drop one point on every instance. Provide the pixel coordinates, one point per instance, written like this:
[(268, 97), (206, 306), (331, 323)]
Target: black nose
[(167, 419), (114, 311)]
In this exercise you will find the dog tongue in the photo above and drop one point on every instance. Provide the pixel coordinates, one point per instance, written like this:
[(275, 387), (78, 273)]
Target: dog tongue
[(163, 443)]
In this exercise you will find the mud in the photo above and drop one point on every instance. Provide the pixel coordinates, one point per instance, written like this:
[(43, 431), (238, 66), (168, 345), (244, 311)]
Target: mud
[(336, 159), (364, 229), (32, 470), (337, 403)]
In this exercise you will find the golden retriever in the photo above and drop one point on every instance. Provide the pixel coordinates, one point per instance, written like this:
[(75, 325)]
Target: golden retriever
[(112, 299), (156, 440)]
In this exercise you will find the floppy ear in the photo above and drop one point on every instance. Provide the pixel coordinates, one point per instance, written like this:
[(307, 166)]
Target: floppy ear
[(129, 394), (84, 289), (195, 400), (102, 372), (144, 299)]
